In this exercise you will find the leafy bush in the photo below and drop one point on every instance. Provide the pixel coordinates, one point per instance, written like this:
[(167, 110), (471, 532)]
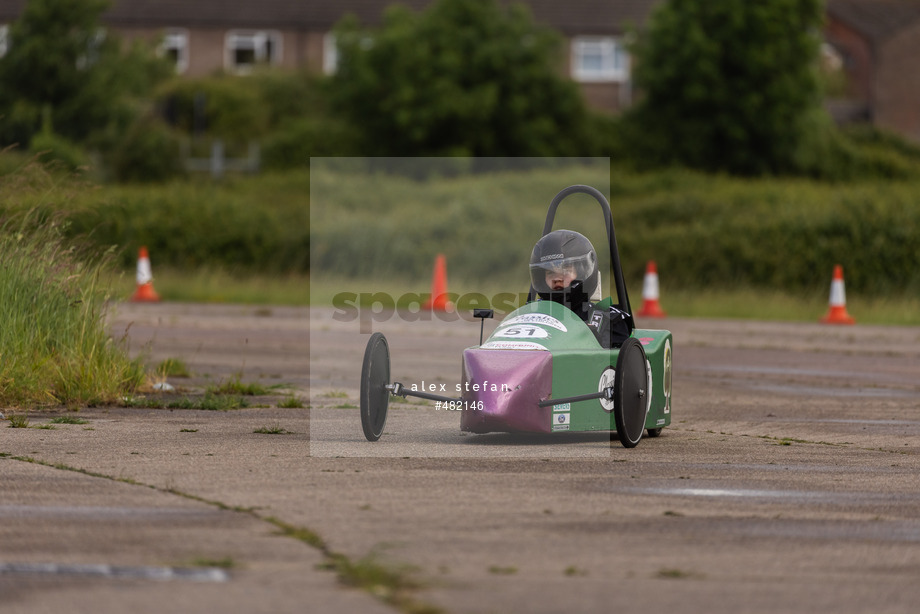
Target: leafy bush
[(54, 149), (58, 60), (289, 95), (464, 77), (224, 107), (285, 111), (728, 86), (148, 152), (252, 224), (296, 141)]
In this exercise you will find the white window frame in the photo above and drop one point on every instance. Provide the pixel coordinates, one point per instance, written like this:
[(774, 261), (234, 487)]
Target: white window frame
[(176, 40), (259, 41), (600, 59), (4, 38)]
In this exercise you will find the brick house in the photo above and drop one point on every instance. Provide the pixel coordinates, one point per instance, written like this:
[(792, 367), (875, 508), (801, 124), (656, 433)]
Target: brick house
[(207, 36), (877, 45), (875, 42)]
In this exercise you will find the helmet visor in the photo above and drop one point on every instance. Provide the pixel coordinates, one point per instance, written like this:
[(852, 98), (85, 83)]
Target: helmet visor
[(554, 273)]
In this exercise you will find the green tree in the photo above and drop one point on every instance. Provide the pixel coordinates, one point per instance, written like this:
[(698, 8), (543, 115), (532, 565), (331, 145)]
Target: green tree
[(729, 86), (62, 63), (464, 77)]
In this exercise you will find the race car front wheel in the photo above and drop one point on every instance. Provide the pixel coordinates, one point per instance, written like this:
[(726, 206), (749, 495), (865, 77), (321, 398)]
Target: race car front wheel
[(630, 393), (375, 375)]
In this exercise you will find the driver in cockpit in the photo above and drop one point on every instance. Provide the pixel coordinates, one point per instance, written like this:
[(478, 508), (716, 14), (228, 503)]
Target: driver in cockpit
[(563, 268)]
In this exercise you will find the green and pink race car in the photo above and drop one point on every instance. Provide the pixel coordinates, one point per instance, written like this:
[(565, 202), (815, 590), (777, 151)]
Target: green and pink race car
[(560, 363)]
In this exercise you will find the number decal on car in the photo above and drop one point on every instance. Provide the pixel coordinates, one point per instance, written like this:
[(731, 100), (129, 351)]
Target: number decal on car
[(522, 332)]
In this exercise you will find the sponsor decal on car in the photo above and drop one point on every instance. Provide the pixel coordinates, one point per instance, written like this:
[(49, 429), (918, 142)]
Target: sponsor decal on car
[(512, 345), (561, 421), (535, 318)]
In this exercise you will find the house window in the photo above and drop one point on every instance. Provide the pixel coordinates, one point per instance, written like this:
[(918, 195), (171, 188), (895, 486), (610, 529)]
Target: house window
[(93, 48), (330, 54), (4, 39), (244, 49), (174, 47), (331, 51), (599, 59)]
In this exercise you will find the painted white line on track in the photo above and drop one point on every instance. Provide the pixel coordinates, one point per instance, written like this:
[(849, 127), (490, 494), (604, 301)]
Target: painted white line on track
[(205, 574)]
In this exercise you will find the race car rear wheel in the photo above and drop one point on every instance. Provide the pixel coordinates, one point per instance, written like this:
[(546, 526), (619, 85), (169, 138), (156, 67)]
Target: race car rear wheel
[(630, 393), (375, 375), (654, 432)]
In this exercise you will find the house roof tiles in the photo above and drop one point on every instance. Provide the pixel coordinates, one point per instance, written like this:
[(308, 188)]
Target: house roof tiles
[(877, 19), (570, 17)]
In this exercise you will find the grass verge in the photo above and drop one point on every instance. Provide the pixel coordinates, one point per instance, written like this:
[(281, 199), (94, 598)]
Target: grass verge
[(735, 303), (732, 303), (54, 349)]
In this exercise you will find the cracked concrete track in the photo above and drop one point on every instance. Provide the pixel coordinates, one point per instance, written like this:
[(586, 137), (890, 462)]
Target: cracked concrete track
[(787, 481)]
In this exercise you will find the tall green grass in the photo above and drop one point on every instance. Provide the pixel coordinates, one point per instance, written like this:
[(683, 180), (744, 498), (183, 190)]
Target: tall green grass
[(54, 348)]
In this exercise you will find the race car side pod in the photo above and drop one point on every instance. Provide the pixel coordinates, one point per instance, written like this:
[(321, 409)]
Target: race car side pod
[(399, 390), (606, 393)]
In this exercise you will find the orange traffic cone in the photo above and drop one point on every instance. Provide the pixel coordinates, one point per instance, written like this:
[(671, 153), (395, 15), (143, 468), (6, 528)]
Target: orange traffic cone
[(837, 313), (650, 306), (438, 299), (144, 292)]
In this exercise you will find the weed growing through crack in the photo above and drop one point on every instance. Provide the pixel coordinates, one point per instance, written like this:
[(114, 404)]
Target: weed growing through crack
[(236, 386), (675, 574), (209, 401), (19, 421), (173, 367), (273, 430), (291, 402), (68, 420)]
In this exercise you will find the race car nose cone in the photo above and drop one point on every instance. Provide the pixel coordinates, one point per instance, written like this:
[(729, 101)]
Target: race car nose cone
[(501, 389)]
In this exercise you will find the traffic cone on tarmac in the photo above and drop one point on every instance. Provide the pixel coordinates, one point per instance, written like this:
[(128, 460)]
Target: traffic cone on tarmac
[(144, 292), (651, 308), (837, 312), (438, 299)]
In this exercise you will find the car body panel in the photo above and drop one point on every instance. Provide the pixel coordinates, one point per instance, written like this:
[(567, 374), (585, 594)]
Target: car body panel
[(543, 350)]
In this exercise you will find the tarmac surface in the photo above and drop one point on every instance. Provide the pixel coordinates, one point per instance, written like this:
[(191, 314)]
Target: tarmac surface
[(787, 481)]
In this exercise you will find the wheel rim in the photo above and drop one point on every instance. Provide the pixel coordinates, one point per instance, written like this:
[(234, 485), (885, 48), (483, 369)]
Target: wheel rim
[(375, 375)]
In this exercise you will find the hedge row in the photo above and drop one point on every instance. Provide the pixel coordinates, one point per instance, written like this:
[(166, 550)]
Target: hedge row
[(714, 232), (703, 231)]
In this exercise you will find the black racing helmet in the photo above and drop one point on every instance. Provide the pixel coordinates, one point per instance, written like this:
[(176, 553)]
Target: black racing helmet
[(563, 251)]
